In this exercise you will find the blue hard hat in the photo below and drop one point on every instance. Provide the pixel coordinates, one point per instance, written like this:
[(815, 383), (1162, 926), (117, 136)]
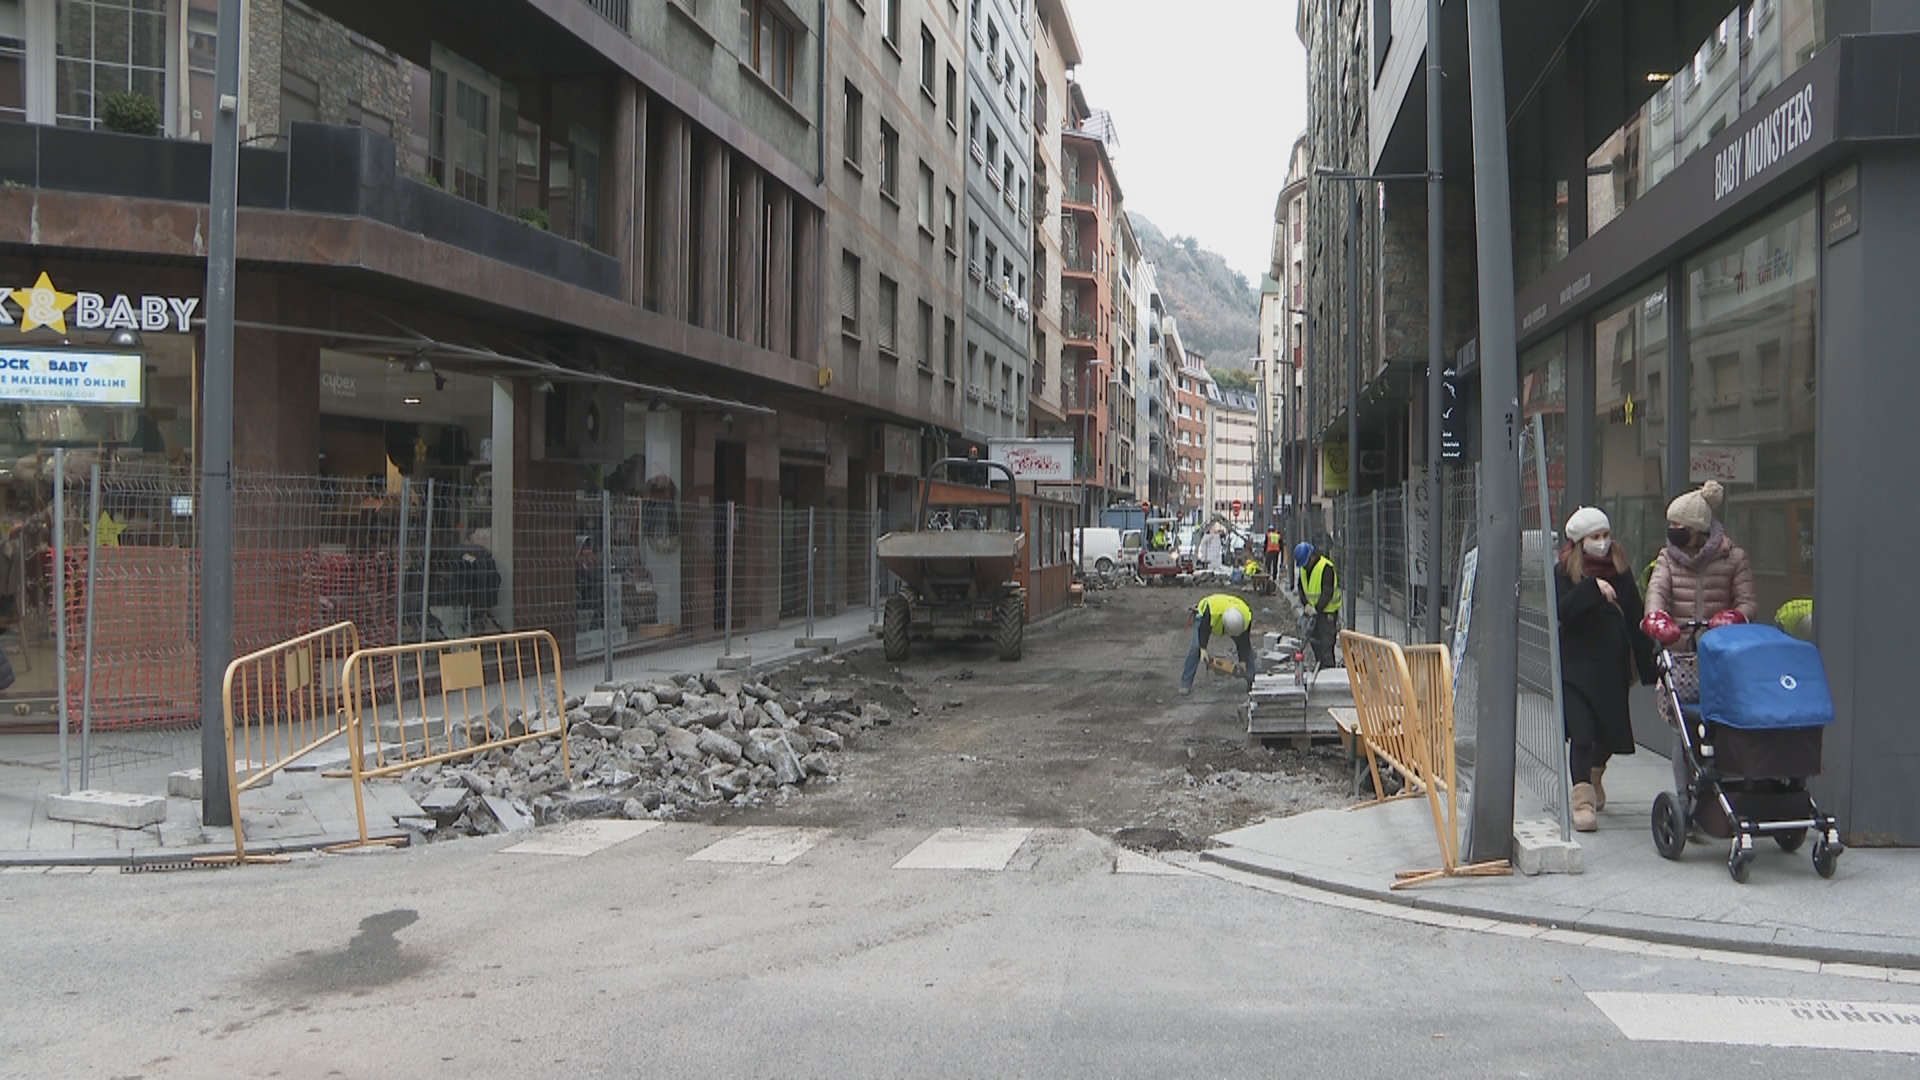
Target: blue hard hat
[(1302, 552)]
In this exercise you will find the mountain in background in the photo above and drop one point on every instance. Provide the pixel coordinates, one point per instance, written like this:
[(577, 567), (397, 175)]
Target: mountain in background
[(1217, 307)]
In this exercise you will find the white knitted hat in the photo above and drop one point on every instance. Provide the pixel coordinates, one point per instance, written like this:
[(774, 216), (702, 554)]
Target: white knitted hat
[(1585, 522), (1697, 509)]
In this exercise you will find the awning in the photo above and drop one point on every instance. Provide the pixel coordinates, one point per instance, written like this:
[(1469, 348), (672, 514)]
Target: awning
[(490, 363)]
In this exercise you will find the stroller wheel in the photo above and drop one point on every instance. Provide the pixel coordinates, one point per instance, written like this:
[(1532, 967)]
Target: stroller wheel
[(1791, 840), (1826, 858), (1740, 861), (1669, 826)]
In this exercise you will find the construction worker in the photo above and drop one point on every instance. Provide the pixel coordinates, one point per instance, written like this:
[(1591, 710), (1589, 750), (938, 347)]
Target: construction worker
[(1160, 542), (1318, 585), (1274, 543), (1221, 613)]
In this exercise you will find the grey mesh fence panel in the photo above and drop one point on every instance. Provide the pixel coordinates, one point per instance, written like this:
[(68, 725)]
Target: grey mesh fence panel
[(1541, 763)]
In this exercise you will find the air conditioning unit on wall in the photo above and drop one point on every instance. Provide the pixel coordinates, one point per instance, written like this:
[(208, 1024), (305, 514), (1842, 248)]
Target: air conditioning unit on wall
[(583, 422)]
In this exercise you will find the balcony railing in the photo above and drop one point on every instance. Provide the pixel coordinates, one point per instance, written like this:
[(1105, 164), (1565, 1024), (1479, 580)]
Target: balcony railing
[(1077, 262), (1077, 191), (616, 12), (1078, 327)]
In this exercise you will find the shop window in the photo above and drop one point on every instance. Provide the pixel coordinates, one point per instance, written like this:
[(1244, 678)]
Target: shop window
[(1630, 433), (1543, 393), (1750, 307)]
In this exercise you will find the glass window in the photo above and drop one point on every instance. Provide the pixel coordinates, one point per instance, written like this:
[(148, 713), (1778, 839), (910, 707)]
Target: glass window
[(13, 61), (1543, 393), (1630, 418), (1781, 36), (106, 47), (1749, 308)]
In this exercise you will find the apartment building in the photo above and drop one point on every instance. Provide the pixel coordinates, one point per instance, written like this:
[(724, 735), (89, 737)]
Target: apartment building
[(1233, 436), (999, 171), (895, 197), (1150, 397), (1283, 336), (1090, 201), (1191, 395), (1123, 414), (1056, 53)]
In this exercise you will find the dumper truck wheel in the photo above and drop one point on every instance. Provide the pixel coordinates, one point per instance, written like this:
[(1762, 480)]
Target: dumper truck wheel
[(1010, 625), (895, 617)]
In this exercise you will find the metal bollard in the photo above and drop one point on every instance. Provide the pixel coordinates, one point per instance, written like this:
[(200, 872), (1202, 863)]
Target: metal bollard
[(728, 592), (1377, 590), (873, 567)]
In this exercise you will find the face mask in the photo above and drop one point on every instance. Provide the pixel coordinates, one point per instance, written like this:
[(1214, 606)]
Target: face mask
[(1679, 535), (1597, 548)]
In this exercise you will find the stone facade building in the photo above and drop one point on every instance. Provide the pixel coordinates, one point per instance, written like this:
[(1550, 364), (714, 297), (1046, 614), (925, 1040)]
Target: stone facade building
[(999, 313)]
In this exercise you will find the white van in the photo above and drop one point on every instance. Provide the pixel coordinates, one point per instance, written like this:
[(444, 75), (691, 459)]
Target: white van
[(1098, 548)]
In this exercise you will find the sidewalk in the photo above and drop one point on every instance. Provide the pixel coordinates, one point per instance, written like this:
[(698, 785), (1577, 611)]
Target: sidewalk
[(1861, 916), (300, 810)]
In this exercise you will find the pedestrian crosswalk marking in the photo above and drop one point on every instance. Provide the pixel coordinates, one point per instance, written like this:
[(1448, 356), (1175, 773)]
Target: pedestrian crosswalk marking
[(1758, 1021), (965, 849), (579, 839), (765, 845)]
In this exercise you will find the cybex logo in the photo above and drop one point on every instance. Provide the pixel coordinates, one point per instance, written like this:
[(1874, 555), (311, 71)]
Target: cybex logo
[(1788, 682), (337, 385)]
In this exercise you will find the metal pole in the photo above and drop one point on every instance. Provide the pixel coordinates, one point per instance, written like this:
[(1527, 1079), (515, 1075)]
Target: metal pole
[(426, 560), (1490, 830), (400, 562), (57, 604), (810, 559), (1378, 590), (1436, 323), (873, 566), (216, 439), (86, 662), (1353, 364), (729, 589), (606, 586)]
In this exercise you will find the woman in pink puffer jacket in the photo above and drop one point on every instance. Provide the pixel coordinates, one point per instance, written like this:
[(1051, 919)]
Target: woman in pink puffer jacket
[(1701, 572)]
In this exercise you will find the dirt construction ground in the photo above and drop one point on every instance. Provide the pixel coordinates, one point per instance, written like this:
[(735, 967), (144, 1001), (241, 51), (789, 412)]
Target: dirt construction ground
[(1087, 730)]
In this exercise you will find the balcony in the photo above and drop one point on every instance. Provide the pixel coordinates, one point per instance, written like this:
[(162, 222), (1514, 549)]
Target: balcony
[(616, 12), (1077, 193), (1040, 202), (1079, 328), (328, 170), (1077, 262), (979, 34)]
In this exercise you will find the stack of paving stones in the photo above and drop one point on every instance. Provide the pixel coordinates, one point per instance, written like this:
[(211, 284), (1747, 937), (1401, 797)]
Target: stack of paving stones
[(662, 750)]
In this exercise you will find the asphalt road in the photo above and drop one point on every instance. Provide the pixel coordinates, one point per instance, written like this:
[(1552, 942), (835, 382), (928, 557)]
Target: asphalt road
[(463, 960)]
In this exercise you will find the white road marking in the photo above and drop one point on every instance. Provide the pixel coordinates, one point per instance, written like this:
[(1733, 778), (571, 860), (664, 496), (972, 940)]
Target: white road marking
[(1761, 1021), (1133, 862), (766, 845), (965, 849), (582, 838)]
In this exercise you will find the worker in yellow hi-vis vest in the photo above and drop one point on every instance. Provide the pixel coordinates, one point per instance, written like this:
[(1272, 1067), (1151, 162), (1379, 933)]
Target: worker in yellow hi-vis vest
[(1221, 613), (1318, 585)]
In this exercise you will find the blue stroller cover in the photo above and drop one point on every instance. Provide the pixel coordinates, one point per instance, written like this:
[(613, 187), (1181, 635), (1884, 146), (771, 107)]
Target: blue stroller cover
[(1758, 677)]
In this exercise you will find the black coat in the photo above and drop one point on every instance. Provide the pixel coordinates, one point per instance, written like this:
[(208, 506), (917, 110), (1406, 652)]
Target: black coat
[(1600, 644)]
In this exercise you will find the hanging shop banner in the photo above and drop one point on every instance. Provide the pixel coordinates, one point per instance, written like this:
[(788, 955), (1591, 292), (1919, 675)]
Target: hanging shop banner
[(1034, 459), (70, 377)]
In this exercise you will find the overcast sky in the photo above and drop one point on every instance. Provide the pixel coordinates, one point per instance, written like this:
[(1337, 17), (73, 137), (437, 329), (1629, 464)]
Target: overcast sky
[(1207, 96)]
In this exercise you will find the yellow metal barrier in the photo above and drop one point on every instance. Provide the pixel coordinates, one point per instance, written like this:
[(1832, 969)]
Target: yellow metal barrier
[(1404, 698), (412, 705), (279, 704)]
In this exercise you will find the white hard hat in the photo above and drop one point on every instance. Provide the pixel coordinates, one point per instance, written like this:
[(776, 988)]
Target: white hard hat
[(1234, 622)]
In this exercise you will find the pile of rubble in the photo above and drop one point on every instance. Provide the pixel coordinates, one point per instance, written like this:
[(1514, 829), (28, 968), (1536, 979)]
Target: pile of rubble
[(652, 750)]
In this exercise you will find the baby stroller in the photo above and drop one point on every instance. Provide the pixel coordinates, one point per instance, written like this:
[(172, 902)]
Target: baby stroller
[(1747, 746)]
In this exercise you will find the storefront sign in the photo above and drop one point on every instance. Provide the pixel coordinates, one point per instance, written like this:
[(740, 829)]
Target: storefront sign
[(1843, 204), (1034, 459), (70, 377), (1727, 464), (42, 304), (1765, 144)]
